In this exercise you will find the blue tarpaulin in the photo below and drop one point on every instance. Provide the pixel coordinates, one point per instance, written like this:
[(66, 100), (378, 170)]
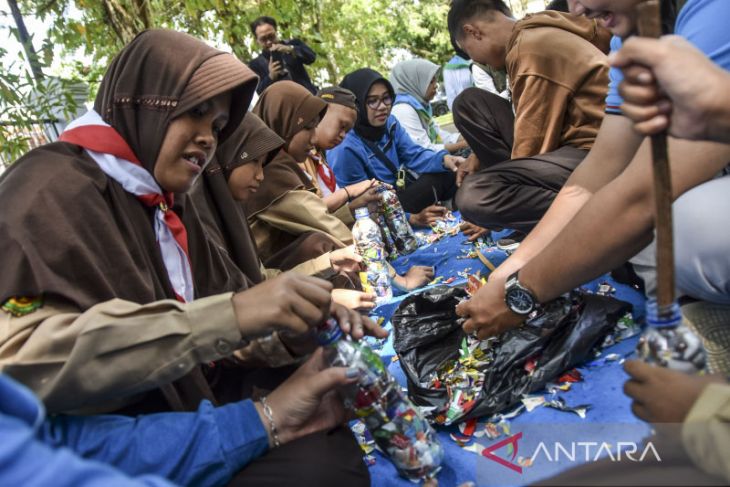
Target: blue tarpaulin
[(556, 440)]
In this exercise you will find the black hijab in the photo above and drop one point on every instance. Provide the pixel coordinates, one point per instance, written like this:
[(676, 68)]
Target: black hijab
[(360, 82)]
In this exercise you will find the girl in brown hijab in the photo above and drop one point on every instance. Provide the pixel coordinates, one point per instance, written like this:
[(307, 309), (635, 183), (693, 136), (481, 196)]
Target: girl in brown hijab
[(286, 206), (101, 277), (88, 222), (230, 180)]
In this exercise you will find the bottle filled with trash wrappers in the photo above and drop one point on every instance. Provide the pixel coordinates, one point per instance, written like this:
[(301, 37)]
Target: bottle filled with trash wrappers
[(369, 244), (391, 252), (397, 427), (395, 217), (669, 342)]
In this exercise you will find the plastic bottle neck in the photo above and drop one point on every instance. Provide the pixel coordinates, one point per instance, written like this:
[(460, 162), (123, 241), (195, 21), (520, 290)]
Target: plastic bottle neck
[(329, 332), (662, 317)]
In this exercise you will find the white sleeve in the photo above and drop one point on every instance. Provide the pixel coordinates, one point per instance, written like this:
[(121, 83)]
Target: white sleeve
[(448, 137), (411, 122), (483, 80)]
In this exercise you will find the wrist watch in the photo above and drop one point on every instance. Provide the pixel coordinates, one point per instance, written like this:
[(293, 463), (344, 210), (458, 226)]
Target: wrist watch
[(518, 298)]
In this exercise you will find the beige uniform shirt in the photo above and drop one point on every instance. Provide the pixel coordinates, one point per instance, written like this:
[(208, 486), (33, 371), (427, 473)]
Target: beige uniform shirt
[(318, 267), (706, 431), (295, 213), (115, 349), (118, 349)]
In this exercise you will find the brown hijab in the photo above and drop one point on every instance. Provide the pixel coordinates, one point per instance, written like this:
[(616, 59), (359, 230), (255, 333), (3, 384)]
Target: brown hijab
[(251, 140), (71, 232), (222, 216), (286, 107), (160, 75)]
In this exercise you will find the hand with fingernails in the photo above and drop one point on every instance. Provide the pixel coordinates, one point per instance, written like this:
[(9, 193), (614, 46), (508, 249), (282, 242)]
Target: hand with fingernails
[(345, 259), (351, 322), (307, 401)]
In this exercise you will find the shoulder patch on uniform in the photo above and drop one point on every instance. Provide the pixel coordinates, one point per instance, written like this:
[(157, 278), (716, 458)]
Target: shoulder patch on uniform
[(22, 305)]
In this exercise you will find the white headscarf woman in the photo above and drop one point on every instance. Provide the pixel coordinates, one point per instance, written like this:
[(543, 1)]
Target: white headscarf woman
[(415, 84)]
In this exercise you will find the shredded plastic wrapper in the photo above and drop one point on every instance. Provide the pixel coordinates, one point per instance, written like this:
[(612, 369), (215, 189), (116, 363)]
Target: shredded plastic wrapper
[(459, 377), (447, 226)]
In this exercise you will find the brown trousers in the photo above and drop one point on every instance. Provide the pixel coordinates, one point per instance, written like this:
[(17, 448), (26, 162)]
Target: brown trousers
[(506, 193)]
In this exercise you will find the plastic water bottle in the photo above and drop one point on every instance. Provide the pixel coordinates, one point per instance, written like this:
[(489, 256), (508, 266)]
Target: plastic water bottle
[(369, 244), (391, 251), (397, 427), (405, 240), (670, 343)]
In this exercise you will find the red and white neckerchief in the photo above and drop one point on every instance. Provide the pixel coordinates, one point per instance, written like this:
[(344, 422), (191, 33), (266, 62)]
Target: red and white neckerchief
[(114, 156), (325, 174)]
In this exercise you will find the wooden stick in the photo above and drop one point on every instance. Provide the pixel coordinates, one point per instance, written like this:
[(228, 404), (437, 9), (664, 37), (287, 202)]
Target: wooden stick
[(649, 24)]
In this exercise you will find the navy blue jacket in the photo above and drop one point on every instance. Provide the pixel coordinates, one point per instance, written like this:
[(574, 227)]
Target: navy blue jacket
[(295, 62)]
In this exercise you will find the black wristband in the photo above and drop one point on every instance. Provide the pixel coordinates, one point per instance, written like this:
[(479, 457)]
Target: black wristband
[(349, 198)]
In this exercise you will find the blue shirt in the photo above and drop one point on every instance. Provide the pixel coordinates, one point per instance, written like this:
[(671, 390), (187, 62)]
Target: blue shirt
[(352, 161), (704, 23), (203, 448)]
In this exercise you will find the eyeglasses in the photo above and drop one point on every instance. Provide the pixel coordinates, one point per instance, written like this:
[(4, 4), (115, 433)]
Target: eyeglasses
[(267, 38), (374, 103)]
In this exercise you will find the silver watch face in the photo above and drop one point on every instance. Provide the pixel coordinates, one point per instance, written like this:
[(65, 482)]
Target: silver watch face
[(520, 301)]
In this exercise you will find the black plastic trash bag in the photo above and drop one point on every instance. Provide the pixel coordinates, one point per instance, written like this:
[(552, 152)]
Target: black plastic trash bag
[(428, 335)]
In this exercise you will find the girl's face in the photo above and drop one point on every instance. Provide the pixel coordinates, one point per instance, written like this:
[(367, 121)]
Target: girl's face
[(618, 16), (431, 90), (378, 103), (303, 141), (336, 123), (246, 179), (189, 144)]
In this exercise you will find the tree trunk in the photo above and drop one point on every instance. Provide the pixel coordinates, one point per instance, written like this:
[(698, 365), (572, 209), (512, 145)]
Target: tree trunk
[(25, 40), (331, 65)]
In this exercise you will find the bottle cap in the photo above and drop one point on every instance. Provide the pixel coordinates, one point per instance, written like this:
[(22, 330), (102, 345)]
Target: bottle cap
[(362, 213)]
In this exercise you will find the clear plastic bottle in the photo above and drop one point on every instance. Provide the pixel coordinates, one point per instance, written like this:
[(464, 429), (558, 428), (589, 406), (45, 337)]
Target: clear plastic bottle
[(668, 342), (397, 427), (405, 240), (369, 244), (390, 249)]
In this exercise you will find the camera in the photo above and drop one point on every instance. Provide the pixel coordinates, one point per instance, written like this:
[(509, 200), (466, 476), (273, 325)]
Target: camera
[(279, 56)]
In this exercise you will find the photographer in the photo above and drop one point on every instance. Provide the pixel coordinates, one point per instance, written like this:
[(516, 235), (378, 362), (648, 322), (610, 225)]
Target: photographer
[(280, 60)]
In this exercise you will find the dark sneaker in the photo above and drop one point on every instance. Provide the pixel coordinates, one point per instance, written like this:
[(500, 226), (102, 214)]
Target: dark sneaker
[(511, 242)]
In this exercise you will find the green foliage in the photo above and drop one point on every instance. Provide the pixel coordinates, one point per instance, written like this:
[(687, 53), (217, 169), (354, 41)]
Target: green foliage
[(25, 104), (345, 34)]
